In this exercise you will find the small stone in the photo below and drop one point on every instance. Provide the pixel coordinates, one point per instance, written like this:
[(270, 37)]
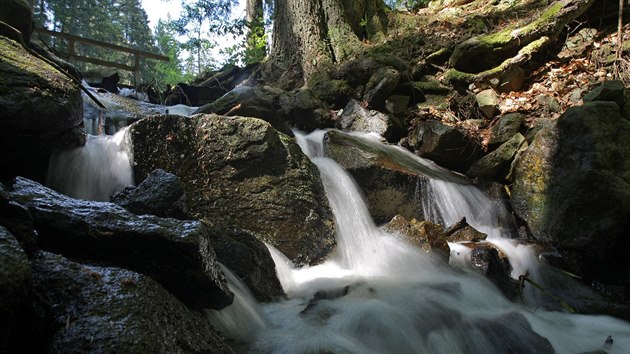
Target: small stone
[(488, 102)]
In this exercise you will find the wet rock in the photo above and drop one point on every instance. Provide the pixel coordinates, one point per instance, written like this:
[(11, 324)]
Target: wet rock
[(494, 265), (390, 188), (305, 111), (510, 333), (428, 236), (572, 187), (105, 309), (445, 145), (496, 165), (15, 277), (357, 118), (612, 91), (195, 96), (249, 258), (381, 85), (160, 194), (175, 253), (244, 172), (19, 15), (18, 221), (40, 111), (488, 102), (505, 129), (461, 231)]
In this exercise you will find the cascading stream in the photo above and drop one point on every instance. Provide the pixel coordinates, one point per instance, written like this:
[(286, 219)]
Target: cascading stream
[(380, 295)]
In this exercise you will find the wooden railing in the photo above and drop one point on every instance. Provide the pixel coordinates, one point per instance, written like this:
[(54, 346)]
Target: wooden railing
[(71, 54)]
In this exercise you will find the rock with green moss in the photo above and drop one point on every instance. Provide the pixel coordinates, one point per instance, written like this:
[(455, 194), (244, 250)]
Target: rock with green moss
[(572, 186), (98, 309), (240, 171), (40, 109), (175, 253), (612, 91), (496, 165)]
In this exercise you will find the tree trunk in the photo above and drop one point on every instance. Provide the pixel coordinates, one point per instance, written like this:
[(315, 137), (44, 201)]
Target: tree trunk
[(310, 36), (256, 48)]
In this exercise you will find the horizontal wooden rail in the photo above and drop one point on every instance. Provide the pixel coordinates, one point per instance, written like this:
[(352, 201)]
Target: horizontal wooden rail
[(72, 40)]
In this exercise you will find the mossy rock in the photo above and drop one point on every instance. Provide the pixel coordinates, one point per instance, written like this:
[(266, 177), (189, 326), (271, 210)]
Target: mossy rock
[(240, 171), (40, 108)]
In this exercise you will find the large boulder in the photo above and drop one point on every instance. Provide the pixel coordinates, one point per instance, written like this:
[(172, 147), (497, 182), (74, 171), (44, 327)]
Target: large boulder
[(15, 277), (446, 145), (99, 309), (389, 177), (18, 220), (305, 111), (240, 171), (40, 111), (572, 186), (177, 254), (428, 236)]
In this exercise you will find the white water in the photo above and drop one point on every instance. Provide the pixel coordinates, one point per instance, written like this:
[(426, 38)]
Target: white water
[(379, 295), (95, 171)]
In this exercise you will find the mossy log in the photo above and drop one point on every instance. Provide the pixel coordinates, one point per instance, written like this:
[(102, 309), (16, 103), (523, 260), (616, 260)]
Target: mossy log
[(514, 45)]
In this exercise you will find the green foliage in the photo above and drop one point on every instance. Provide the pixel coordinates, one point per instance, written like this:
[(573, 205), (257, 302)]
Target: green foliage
[(407, 4), (171, 72)]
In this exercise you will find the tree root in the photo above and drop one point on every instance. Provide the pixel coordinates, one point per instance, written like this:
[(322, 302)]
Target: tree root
[(523, 56), (486, 56)]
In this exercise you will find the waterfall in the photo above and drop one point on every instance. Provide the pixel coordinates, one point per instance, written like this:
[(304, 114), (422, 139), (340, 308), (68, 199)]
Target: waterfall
[(95, 171), (377, 294)]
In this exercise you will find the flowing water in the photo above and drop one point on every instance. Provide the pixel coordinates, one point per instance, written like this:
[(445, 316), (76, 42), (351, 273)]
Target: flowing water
[(377, 294), (103, 166)]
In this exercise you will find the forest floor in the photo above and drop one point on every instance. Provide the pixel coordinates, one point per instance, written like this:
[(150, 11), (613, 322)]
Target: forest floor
[(582, 57)]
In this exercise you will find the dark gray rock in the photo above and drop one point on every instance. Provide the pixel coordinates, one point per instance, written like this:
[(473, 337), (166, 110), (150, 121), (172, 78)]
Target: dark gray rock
[(335, 93), (175, 253), (19, 15), (496, 165), (40, 111), (160, 194), (572, 186), (15, 278), (445, 145), (249, 258), (381, 85), (487, 260), (247, 101), (612, 91), (105, 309), (18, 220), (305, 111), (244, 172), (505, 129)]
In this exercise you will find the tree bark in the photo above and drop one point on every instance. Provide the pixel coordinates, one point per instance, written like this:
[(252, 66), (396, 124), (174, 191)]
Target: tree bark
[(310, 36), (256, 30)]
